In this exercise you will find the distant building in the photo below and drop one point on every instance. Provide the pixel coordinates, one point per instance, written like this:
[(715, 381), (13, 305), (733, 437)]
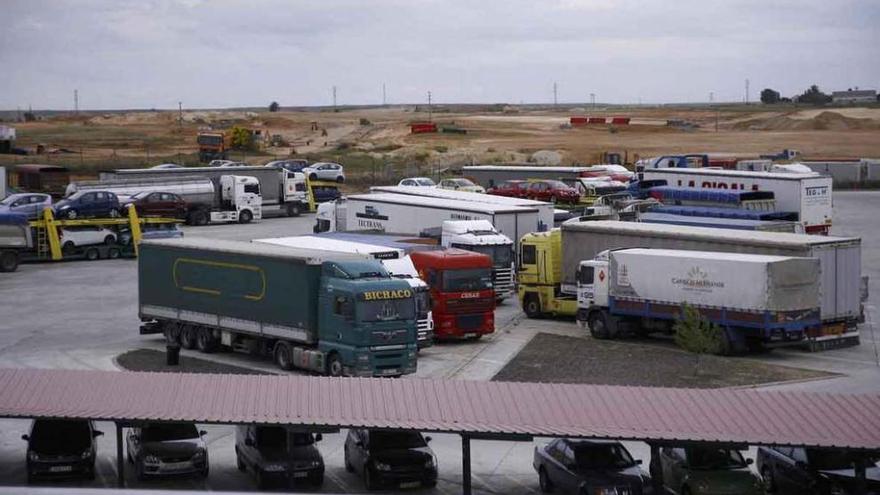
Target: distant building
[(854, 96)]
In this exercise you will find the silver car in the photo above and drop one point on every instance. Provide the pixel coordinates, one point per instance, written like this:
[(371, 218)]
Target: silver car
[(325, 171), (29, 204)]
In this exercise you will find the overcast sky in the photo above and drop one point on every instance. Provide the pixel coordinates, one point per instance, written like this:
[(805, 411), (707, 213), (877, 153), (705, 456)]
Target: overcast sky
[(223, 53)]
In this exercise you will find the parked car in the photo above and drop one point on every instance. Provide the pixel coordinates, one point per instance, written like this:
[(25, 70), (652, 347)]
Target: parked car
[(552, 191), (398, 459), (325, 171), (278, 456), (511, 188), (74, 237), (588, 466), (325, 193), (292, 165), (28, 204), (60, 448), (166, 166), (797, 470), (162, 449), (702, 470), (83, 204), (417, 182), (219, 163), (461, 184), (156, 203)]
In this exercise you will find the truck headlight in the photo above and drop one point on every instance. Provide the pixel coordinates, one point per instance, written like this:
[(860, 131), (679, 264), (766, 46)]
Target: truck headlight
[(381, 466), (86, 454), (33, 456), (430, 463), (199, 455)]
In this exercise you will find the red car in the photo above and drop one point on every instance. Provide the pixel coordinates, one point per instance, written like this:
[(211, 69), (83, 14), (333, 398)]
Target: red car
[(511, 189), (553, 191), (158, 204)]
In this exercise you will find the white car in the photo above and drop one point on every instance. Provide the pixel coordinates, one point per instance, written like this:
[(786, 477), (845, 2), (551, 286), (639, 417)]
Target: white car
[(165, 166), (461, 184), (74, 237), (325, 171), (417, 182)]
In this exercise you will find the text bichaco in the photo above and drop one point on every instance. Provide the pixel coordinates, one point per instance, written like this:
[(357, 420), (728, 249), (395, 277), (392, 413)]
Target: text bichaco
[(378, 295)]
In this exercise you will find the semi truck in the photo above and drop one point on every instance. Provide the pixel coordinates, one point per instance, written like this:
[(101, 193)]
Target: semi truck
[(480, 236), (553, 290), (15, 239), (395, 260), (546, 211), (283, 191), (807, 194), (331, 313), (419, 215), (229, 198), (213, 145), (461, 292), (756, 301)]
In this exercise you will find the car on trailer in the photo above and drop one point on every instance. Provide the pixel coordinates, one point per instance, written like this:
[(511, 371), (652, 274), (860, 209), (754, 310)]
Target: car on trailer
[(28, 204), (325, 171), (158, 204), (83, 204)]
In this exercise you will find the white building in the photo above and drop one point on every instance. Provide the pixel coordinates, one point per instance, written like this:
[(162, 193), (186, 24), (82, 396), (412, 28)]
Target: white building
[(854, 96)]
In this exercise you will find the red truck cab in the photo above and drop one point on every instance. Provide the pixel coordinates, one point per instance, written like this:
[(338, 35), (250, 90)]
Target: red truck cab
[(460, 284)]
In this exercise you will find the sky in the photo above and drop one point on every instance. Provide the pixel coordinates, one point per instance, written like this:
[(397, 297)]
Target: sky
[(228, 53)]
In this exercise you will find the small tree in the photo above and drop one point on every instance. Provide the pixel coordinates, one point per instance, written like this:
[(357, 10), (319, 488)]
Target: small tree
[(814, 96), (696, 335), (242, 138), (274, 106), (769, 96)]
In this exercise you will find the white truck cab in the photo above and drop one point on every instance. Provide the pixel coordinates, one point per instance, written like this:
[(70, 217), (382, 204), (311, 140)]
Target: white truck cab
[(592, 284), (481, 236), (241, 200)]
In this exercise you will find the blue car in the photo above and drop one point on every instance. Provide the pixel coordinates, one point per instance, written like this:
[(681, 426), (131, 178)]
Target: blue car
[(84, 204), (29, 204)]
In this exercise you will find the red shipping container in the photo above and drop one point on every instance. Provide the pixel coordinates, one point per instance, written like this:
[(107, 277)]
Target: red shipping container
[(596, 120), (578, 120), (422, 127), (620, 121)]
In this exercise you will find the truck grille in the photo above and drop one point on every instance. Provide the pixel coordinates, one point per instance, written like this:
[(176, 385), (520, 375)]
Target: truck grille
[(503, 280), (470, 305), (469, 322), (423, 330)]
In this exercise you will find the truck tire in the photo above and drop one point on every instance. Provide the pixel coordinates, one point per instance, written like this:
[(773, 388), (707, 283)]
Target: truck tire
[(205, 341), (334, 365), (245, 216), (8, 261), (284, 356), (293, 209), (68, 247), (340, 179), (200, 218), (188, 337), (599, 325), (92, 254), (113, 253), (109, 240), (532, 306)]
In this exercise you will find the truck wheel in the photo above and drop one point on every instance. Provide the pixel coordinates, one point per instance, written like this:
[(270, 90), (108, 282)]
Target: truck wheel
[(92, 254), (598, 325), (532, 306), (201, 218), (340, 179), (173, 332), (245, 217), (334, 365), (113, 253), (188, 337), (284, 356), (205, 341), (109, 240), (293, 210), (8, 261)]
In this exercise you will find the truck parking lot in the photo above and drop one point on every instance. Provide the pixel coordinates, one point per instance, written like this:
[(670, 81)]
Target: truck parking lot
[(77, 315)]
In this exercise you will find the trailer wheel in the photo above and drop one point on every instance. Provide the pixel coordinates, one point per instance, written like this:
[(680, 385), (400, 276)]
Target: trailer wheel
[(109, 240), (334, 365), (340, 179), (284, 356), (8, 261), (113, 253), (205, 341), (71, 214), (293, 210), (598, 325), (245, 216), (200, 218), (532, 306), (92, 254), (188, 337)]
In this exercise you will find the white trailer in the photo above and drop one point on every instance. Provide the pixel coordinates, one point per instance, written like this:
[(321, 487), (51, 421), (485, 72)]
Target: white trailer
[(418, 216), (396, 261), (755, 300), (546, 211), (807, 194)]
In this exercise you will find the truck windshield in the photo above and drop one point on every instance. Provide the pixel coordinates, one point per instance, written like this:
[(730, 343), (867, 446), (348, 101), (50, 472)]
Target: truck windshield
[(467, 279), (214, 140), (387, 310), (423, 303), (502, 255)]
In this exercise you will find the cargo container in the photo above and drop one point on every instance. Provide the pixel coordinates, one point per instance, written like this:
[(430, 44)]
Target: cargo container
[(840, 261), (38, 178), (395, 260), (807, 194), (283, 191), (722, 223), (325, 312), (755, 300)]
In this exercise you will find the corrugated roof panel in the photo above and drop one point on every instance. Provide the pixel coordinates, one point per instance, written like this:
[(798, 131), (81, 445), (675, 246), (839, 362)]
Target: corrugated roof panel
[(634, 413)]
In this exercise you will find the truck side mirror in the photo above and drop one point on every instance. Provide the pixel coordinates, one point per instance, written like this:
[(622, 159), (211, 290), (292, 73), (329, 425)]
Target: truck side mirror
[(25, 438), (638, 462), (318, 437), (749, 462), (202, 433)]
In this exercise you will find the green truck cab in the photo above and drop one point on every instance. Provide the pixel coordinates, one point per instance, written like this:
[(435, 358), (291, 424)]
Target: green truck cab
[(331, 313)]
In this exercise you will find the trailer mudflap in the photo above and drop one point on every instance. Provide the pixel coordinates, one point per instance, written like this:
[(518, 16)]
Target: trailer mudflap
[(150, 328)]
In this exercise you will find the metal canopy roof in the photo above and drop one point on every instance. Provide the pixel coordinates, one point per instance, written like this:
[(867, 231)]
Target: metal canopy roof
[(454, 406)]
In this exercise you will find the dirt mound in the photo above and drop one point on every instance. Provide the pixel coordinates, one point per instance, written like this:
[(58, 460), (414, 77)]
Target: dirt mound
[(824, 121)]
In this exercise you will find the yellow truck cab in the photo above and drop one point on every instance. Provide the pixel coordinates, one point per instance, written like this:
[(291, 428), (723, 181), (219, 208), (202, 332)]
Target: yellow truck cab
[(540, 276)]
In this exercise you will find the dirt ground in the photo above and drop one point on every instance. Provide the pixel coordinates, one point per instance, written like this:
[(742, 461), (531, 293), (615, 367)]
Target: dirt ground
[(560, 359), (377, 141)]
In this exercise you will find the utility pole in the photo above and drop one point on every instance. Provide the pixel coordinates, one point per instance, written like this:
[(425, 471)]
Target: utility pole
[(334, 98), (747, 91), (430, 109), (555, 101), (383, 95), (179, 114), (593, 100), (76, 102), (711, 96)]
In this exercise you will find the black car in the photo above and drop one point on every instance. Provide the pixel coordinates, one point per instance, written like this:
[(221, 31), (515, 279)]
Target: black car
[(588, 466), (278, 456), (82, 204), (821, 472), (398, 459), (325, 193), (61, 448), (167, 449)]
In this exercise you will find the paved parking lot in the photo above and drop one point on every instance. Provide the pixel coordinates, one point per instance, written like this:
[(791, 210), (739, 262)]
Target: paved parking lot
[(83, 314)]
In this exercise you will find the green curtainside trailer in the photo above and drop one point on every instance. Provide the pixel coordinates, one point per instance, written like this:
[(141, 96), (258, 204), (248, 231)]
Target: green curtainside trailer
[(331, 313)]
